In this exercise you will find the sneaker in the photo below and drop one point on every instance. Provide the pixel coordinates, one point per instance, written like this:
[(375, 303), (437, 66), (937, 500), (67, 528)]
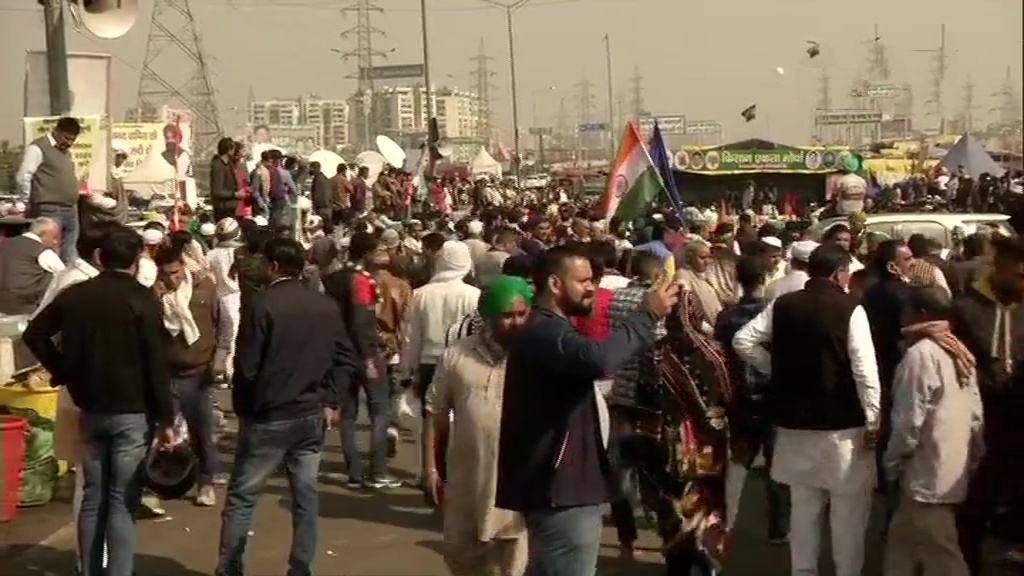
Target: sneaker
[(354, 484), (393, 438), (221, 479), (206, 497), (151, 505), (384, 482)]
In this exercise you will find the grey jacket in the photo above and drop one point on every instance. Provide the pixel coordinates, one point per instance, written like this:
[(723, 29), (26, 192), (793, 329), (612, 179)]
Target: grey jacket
[(936, 433)]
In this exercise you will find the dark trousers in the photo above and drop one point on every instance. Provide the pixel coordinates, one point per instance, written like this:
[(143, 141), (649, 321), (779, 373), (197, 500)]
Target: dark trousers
[(778, 496), (193, 400), (377, 404), (261, 448)]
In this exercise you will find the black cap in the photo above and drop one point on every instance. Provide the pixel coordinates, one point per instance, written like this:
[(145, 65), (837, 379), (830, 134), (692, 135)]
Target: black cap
[(749, 113), (171, 474)]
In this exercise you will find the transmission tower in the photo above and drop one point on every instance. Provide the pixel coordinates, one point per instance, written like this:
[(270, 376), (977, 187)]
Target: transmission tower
[(879, 69), (584, 114), (584, 100), (825, 91), (636, 103), (937, 84), (482, 77), (173, 45), (562, 122), (1009, 108), (365, 55), (967, 106)]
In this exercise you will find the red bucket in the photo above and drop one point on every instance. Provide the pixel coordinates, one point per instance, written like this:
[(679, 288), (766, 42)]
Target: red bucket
[(12, 453)]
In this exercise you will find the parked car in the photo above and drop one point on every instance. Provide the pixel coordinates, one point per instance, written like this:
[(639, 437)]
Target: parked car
[(937, 226)]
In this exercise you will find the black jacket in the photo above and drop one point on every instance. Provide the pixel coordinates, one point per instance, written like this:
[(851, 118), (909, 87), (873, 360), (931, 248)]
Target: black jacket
[(321, 193), (292, 354), (811, 385), (355, 292), (883, 302), (223, 186), (111, 354), (549, 403)]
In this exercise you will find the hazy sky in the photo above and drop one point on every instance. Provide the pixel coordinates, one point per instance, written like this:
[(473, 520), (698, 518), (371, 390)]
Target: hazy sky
[(707, 60)]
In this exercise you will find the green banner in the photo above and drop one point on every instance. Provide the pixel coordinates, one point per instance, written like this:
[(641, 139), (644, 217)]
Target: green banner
[(713, 161)]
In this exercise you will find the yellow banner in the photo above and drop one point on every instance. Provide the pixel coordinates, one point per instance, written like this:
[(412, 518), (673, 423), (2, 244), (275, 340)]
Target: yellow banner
[(139, 138), (84, 151)]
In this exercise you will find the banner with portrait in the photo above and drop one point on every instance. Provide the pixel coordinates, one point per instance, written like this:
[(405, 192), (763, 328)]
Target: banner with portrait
[(90, 150)]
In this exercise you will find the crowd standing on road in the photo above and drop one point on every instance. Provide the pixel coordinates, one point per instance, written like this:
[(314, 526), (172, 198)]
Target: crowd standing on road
[(559, 362)]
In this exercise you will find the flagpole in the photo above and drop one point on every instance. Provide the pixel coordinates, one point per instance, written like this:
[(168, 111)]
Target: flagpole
[(611, 103)]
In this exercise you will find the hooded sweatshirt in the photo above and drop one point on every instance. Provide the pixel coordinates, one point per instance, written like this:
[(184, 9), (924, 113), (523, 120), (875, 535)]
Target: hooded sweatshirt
[(443, 301)]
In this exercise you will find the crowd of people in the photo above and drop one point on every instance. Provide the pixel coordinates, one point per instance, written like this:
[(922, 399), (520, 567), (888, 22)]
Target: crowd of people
[(652, 365)]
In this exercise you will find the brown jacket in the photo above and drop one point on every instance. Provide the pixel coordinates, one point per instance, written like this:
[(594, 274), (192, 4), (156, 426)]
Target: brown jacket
[(341, 189), (185, 359), (395, 295)]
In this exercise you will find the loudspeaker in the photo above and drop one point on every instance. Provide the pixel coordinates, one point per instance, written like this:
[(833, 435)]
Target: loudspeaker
[(109, 18)]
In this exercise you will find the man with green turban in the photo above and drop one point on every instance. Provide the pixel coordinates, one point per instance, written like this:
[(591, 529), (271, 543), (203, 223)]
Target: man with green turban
[(468, 387)]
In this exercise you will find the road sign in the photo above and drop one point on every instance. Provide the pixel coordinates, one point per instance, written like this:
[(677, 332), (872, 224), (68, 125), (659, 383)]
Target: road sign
[(672, 124), (703, 127), (395, 72), (877, 91), (846, 117), (544, 131), (593, 127)]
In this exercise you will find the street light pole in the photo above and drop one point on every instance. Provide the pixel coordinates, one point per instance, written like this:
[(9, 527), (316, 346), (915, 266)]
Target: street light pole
[(611, 98), (510, 9), (426, 60)]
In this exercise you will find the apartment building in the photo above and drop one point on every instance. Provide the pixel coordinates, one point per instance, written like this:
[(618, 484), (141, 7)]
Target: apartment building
[(401, 113), (329, 116)]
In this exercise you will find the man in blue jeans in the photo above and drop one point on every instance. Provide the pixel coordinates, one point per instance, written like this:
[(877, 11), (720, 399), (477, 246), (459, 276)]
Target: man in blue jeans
[(111, 360), (552, 462), (356, 295), (292, 357)]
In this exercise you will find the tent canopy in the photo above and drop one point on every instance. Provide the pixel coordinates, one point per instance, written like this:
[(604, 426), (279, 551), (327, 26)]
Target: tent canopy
[(969, 153), (153, 175), (484, 163)]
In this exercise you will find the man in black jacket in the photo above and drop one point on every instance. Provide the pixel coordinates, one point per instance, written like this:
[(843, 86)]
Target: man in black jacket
[(354, 290), (320, 194), (883, 302), (292, 355), (111, 359), (224, 188), (552, 462)]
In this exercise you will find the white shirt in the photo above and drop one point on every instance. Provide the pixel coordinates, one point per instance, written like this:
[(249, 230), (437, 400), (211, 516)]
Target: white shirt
[(147, 272), (48, 259), (219, 261), (31, 160), (613, 281), (78, 271), (834, 460), (434, 308), (942, 182), (793, 280)]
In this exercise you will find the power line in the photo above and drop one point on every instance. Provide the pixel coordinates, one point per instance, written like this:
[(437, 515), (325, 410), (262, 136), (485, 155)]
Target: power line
[(967, 106)]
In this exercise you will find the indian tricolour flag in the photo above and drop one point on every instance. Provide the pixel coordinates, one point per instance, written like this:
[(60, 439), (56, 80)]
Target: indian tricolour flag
[(633, 182)]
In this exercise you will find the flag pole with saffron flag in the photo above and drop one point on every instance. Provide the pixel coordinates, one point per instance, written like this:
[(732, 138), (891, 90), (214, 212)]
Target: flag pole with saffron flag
[(663, 162), (633, 182)]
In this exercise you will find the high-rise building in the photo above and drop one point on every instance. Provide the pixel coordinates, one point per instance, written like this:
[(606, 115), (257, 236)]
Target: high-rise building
[(400, 112), (329, 116)]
